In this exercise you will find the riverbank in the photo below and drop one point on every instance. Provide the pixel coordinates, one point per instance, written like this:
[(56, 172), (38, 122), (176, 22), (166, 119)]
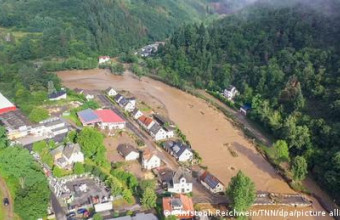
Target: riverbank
[(223, 146)]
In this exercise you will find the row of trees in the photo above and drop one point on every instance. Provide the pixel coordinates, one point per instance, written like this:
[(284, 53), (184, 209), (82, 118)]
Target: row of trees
[(25, 178), (285, 63)]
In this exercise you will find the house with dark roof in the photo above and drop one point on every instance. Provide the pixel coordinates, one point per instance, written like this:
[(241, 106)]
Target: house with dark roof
[(245, 109), (111, 92), (128, 152), (118, 97), (210, 182), (57, 95), (180, 206), (180, 182), (128, 104), (65, 157), (136, 113), (178, 150)]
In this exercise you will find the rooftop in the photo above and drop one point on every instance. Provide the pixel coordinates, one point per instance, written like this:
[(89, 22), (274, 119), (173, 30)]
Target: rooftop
[(185, 201), (56, 94), (88, 116), (126, 149), (209, 179), (107, 115), (71, 149), (14, 120), (145, 120), (5, 104), (177, 147)]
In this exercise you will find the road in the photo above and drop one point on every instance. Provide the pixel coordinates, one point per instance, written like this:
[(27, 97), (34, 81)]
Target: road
[(58, 210), (9, 213)]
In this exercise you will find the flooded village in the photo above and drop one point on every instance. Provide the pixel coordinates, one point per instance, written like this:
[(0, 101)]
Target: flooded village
[(209, 132)]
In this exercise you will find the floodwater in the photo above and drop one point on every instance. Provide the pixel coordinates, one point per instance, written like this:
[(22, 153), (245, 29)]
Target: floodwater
[(210, 133)]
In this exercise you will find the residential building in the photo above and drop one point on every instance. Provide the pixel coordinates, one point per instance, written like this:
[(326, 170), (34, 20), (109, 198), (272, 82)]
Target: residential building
[(178, 150), (16, 124), (136, 113), (50, 127), (180, 206), (146, 122), (104, 118), (158, 133), (230, 92), (128, 104), (65, 157), (177, 182), (118, 97), (211, 183), (6, 105), (111, 92), (245, 109), (57, 95), (103, 59), (150, 160), (128, 152)]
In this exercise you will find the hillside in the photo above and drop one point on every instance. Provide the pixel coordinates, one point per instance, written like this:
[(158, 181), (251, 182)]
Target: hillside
[(284, 60), (84, 27)]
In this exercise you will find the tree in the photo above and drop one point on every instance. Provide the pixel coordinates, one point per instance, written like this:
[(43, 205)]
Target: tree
[(57, 172), (91, 142), (281, 150), (241, 191), (3, 138), (71, 136), (149, 198), (299, 168), (97, 216), (78, 168), (38, 114)]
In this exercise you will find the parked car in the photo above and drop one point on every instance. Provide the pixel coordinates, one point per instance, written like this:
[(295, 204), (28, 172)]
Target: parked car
[(71, 214), (6, 201), (81, 211)]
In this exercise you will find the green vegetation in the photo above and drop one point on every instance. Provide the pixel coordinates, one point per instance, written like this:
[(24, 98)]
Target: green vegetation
[(281, 151), (299, 168), (43, 149), (78, 168), (149, 197), (91, 142), (38, 114), (30, 188), (59, 172), (116, 68), (283, 58), (241, 191), (97, 216)]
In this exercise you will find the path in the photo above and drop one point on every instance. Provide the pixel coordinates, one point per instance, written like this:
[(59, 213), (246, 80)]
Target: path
[(6, 194)]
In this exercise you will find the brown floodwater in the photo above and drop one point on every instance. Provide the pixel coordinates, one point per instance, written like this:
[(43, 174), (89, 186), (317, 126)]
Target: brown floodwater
[(210, 133)]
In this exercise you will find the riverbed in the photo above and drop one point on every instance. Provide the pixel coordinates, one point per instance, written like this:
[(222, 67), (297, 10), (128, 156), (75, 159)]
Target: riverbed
[(223, 147)]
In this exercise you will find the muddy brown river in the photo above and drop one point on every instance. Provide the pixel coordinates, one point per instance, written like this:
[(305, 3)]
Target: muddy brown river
[(210, 133)]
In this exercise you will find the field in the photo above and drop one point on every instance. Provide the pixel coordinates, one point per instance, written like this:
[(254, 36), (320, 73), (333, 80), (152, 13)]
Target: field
[(211, 134)]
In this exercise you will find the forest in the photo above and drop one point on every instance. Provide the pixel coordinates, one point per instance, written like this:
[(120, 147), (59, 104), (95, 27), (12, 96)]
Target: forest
[(284, 58)]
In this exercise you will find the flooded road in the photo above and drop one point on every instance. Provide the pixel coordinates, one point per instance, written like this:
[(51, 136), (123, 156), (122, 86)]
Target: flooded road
[(224, 148)]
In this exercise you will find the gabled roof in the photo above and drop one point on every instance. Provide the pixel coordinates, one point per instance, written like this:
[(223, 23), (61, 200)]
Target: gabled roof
[(147, 155), (5, 105), (109, 89), (88, 116), (57, 150), (155, 128), (104, 57), (145, 120), (179, 174), (117, 97), (56, 94), (177, 147), (70, 149), (126, 149), (209, 179), (108, 116), (123, 101), (186, 202), (135, 110)]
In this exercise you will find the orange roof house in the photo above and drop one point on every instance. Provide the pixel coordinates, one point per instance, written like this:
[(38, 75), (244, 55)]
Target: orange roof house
[(180, 206), (146, 122)]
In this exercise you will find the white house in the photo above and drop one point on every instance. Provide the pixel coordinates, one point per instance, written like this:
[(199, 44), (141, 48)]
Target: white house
[(159, 133), (211, 183), (128, 152), (111, 92), (146, 122), (57, 95), (230, 92), (181, 182), (150, 160), (136, 113), (88, 95), (128, 104), (103, 59), (65, 157), (178, 150)]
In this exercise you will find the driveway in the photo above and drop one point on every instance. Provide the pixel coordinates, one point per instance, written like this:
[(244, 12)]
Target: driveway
[(6, 194)]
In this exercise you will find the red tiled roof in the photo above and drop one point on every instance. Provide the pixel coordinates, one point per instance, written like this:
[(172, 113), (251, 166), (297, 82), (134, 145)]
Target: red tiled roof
[(187, 203), (145, 120), (108, 116)]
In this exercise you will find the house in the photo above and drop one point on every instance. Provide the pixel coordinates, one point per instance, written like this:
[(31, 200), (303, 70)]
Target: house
[(50, 128), (6, 105), (111, 92), (128, 152), (245, 109), (180, 206), (65, 157), (167, 125), (104, 118), (146, 122), (103, 59), (158, 133), (118, 97), (136, 113), (150, 160), (57, 95), (109, 119), (128, 104), (176, 182), (138, 216), (211, 183), (178, 150), (88, 95), (230, 92)]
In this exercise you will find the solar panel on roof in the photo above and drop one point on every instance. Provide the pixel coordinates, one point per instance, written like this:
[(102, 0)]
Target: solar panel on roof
[(88, 115)]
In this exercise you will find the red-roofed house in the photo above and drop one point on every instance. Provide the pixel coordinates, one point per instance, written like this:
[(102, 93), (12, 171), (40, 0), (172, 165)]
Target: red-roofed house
[(109, 119), (5, 105), (146, 122), (180, 206)]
